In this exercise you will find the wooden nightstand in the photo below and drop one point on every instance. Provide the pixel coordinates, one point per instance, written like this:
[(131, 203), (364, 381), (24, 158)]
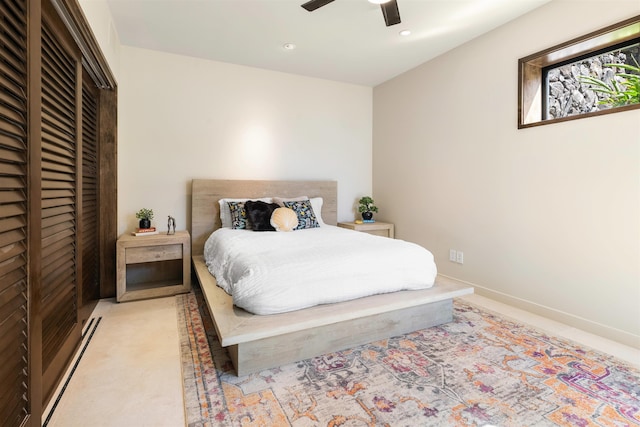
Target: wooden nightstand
[(153, 266), (378, 228)]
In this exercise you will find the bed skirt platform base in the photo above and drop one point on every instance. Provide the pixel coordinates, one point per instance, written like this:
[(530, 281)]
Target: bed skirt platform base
[(255, 356), (256, 343)]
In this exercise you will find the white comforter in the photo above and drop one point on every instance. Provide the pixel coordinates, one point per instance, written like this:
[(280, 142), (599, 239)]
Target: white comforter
[(275, 272)]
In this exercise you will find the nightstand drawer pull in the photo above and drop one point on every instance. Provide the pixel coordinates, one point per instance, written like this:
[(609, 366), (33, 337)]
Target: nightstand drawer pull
[(153, 253)]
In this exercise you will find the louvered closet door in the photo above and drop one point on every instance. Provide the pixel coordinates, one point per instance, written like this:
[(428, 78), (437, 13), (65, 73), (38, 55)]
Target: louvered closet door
[(90, 214), (13, 214), (59, 292)]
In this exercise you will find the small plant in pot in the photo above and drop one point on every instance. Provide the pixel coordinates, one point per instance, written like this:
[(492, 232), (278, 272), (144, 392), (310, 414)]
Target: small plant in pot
[(145, 216), (367, 207)]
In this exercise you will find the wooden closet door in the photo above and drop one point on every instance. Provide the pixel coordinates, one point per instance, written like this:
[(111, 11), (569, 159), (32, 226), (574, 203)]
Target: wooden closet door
[(49, 173), (59, 197), (14, 333), (90, 193)]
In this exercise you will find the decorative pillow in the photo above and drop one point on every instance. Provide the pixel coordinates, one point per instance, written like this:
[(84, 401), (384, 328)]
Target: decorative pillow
[(238, 215), (259, 214), (305, 214), (316, 204), (284, 219), (225, 212)]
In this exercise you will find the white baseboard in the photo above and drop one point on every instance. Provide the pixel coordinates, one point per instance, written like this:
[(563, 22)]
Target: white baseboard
[(586, 325)]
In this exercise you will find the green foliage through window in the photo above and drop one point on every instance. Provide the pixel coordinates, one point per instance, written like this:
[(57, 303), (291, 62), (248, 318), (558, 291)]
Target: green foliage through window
[(623, 89)]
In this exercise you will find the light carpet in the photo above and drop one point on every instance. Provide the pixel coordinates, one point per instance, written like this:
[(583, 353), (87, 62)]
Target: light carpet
[(479, 370)]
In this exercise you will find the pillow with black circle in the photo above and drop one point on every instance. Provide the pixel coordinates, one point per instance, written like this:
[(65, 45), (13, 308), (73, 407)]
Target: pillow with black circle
[(225, 211), (238, 215), (259, 214), (304, 211)]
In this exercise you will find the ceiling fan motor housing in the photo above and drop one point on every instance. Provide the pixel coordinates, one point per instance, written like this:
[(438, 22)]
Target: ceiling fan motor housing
[(390, 10)]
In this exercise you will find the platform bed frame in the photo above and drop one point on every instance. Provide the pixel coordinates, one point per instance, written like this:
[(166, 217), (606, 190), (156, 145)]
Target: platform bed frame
[(256, 342)]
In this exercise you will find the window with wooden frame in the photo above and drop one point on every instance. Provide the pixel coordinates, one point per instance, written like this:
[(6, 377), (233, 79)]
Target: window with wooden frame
[(589, 76)]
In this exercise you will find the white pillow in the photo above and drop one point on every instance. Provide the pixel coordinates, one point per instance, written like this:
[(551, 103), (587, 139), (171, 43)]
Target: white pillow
[(225, 212), (281, 200), (316, 205)]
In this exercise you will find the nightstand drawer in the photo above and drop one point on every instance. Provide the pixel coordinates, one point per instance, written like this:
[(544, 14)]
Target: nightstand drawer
[(153, 253)]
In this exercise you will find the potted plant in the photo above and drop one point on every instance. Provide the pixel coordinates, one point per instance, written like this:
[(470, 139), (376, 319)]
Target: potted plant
[(366, 207), (145, 216)]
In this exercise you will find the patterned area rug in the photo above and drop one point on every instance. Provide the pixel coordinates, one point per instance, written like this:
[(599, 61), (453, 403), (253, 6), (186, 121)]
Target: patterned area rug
[(479, 370)]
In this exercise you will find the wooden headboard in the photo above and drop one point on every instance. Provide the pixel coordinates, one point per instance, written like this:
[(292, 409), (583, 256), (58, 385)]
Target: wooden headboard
[(205, 214)]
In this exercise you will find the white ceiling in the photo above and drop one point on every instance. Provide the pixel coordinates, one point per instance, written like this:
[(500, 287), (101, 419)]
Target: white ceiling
[(345, 41)]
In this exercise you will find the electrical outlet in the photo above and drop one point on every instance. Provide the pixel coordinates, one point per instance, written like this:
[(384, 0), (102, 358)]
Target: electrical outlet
[(452, 255), (460, 257)]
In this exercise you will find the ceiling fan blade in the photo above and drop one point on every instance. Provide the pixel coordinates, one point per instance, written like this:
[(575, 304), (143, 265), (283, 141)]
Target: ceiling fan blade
[(315, 4), (391, 13)]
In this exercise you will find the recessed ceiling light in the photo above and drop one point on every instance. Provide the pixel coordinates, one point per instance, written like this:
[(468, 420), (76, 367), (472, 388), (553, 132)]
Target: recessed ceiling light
[(289, 46), (379, 1), (405, 33)]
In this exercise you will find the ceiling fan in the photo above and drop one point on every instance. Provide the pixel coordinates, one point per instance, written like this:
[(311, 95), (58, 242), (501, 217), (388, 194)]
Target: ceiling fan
[(389, 9)]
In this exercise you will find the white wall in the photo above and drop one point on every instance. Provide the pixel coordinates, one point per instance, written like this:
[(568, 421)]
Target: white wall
[(100, 19), (548, 218), (182, 118)]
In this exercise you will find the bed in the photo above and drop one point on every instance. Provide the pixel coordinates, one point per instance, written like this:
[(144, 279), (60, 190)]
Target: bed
[(259, 342)]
